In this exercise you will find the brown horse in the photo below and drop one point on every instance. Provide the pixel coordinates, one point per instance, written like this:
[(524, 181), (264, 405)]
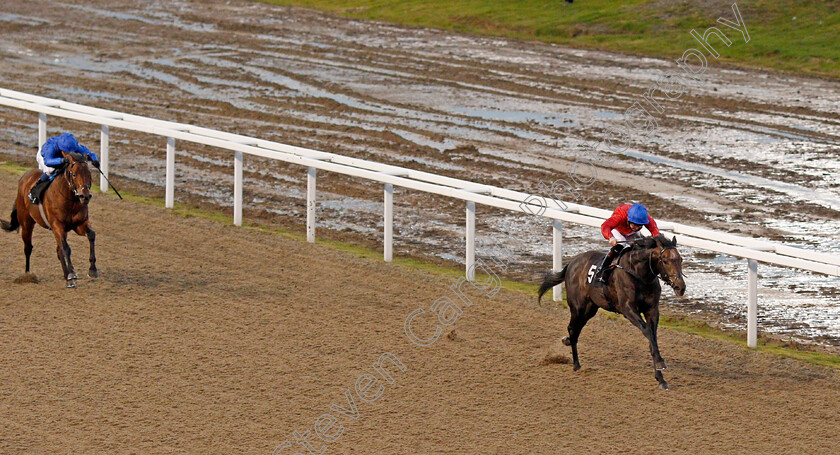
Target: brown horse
[(632, 289), (65, 209)]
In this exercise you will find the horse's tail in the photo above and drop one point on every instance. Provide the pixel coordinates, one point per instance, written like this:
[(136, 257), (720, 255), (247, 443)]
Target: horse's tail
[(551, 279), (13, 225)]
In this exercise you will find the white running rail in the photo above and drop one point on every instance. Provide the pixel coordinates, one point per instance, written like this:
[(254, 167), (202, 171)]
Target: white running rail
[(753, 250)]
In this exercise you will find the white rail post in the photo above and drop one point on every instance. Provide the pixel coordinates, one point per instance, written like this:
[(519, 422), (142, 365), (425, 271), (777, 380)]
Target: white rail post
[(752, 304), (470, 241), (42, 129), (558, 256), (310, 204), (104, 140), (170, 172), (237, 188), (389, 222)]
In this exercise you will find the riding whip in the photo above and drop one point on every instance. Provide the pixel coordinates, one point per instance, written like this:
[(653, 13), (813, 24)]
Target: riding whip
[(109, 182)]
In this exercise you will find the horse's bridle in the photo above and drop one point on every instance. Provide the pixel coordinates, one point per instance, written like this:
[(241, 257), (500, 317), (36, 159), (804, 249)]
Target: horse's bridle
[(666, 277), (74, 189)]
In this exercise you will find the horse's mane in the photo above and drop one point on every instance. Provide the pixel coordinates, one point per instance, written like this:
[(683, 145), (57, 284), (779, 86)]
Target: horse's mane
[(654, 242), (76, 156)]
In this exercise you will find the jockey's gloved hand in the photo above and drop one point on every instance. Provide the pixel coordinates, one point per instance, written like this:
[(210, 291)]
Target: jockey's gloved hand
[(95, 163)]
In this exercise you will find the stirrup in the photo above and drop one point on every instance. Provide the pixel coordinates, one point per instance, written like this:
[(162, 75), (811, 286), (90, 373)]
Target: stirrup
[(37, 191), (598, 280)]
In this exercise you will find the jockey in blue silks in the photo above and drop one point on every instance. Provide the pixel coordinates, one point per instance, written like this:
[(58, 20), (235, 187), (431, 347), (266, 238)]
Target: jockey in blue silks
[(50, 158)]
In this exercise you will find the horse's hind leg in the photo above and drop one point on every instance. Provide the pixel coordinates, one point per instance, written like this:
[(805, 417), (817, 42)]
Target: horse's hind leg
[(580, 315), (91, 235)]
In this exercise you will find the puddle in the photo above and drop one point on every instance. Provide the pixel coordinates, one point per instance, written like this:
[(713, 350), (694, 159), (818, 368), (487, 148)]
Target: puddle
[(25, 20)]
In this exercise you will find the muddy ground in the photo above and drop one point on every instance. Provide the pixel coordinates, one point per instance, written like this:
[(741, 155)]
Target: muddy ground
[(200, 337), (744, 151)]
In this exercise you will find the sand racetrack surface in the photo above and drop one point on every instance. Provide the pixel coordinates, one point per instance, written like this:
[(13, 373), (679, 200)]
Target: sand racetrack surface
[(201, 337)]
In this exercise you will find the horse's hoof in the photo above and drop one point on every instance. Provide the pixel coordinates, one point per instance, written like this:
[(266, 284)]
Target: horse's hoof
[(71, 284), (664, 386), (567, 341), (93, 273), (577, 367), (72, 276)]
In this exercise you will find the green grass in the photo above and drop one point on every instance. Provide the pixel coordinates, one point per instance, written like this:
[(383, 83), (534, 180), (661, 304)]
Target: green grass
[(13, 168), (529, 291), (702, 329), (807, 44)]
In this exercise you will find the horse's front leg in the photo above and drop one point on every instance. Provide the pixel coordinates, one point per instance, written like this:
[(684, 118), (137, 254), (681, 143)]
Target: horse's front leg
[(26, 235), (636, 319), (661, 379), (91, 235), (652, 319), (63, 252), (71, 271)]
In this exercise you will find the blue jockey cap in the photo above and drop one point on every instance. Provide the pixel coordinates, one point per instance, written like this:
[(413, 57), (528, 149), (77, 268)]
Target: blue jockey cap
[(67, 143), (637, 214)]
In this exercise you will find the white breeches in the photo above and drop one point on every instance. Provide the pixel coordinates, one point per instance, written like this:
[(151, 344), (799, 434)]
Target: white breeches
[(623, 238), (43, 167)]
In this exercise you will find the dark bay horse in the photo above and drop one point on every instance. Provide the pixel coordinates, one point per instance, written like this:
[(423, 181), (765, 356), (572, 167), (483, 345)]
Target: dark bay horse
[(632, 289), (65, 209)]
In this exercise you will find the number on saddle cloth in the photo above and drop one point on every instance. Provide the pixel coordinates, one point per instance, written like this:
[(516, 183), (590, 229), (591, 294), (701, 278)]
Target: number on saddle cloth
[(616, 252), (591, 273)]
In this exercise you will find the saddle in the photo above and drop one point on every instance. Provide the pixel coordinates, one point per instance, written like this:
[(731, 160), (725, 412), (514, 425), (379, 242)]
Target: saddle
[(620, 254), (614, 262), (606, 268), (37, 192)]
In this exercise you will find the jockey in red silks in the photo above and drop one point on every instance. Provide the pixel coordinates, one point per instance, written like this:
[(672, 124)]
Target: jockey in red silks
[(624, 224)]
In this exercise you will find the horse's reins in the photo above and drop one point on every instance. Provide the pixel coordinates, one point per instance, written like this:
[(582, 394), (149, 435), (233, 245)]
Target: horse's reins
[(75, 189), (87, 187), (667, 276)]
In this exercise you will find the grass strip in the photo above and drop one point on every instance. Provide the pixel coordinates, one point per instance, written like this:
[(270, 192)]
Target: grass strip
[(787, 35)]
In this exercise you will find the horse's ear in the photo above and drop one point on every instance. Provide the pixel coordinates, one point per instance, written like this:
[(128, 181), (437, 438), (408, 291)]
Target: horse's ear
[(675, 240)]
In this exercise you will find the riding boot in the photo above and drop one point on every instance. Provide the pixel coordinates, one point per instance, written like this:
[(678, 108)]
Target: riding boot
[(600, 279), (38, 189)]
